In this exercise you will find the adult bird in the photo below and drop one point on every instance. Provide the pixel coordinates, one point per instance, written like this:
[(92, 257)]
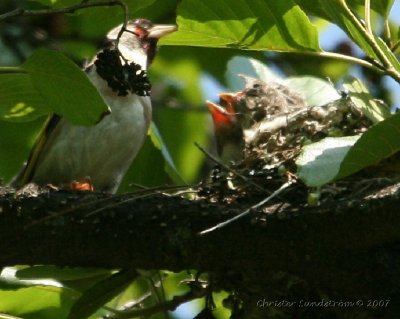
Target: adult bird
[(67, 154)]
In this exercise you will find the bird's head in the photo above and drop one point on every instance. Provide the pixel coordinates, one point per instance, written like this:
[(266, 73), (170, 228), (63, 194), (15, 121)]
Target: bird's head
[(138, 40), (222, 117), (227, 128)]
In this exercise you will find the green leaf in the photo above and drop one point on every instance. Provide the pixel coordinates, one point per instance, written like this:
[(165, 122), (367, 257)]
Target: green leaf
[(398, 37), (256, 25), (312, 8), (147, 169), (65, 88), (336, 158), (183, 71), (338, 15), (361, 98), (46, 301), (78, 50), (250, 67), (57, 3), (172, 157), (320, 162), (102, 292), (152, 167), (58, 273), (381, 141), (136, 5), (95, 22), (170, 167), (19, 99), (180, 130), (383, 7), (388, 54), (316, 91), (186, 65), (15, 144)]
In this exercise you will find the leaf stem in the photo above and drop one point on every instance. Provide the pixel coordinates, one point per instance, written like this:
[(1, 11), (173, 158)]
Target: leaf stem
[(396, 46), (367, 17), (371, 39), (347, 58), (387, 37)]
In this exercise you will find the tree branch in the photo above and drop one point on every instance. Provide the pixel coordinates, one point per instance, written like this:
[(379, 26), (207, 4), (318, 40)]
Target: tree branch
[(347, 249), (70, 9)]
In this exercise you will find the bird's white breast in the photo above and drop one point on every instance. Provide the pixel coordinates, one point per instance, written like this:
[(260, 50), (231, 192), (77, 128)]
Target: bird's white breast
[(102, 152)]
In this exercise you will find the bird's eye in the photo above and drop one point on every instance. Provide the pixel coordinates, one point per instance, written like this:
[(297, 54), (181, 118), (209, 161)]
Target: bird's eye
[(133, 32)]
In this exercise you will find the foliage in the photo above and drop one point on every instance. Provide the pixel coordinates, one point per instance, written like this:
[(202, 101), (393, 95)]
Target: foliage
[(44, 83), (215, 37)]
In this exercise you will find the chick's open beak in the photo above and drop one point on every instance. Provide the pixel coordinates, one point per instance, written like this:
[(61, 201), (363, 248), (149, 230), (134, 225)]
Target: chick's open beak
[(228, 97), (215, 108)]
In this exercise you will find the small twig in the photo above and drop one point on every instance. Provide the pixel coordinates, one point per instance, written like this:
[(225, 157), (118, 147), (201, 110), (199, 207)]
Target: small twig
[(123, 28), (131, 199), (229, 169), (71, 9), (249, 210)]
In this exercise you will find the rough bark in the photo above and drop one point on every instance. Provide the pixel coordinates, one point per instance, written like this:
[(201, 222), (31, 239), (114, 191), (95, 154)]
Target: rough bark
[(347, 249)]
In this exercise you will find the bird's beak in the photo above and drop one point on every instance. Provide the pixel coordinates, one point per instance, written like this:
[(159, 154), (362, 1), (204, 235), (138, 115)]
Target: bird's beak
[(159, 30), (220, 116), (232, 98), (229, 101), (215, 108), (227, 97)]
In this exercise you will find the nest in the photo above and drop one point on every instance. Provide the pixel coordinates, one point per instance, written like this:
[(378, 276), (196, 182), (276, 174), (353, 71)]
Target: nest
[(276, 122)]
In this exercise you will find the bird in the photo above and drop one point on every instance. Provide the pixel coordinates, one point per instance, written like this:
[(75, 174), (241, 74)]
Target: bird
[(228, 130), (97, 157), (245, 120)]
